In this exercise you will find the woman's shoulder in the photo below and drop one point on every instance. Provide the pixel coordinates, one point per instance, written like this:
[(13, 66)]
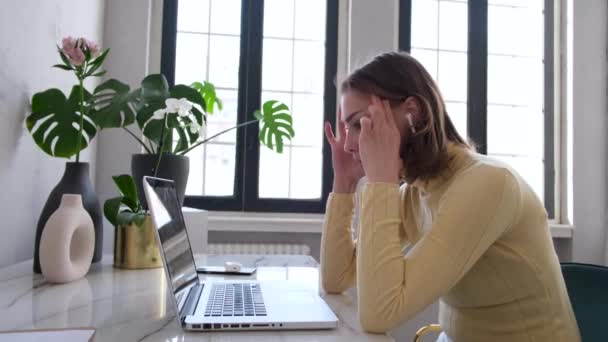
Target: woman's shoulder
[(489, 174)]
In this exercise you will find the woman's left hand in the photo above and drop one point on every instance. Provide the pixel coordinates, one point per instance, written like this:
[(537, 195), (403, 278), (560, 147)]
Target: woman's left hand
[(379, 143)]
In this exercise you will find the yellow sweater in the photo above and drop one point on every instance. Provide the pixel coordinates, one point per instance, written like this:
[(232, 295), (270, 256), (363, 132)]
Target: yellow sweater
[(478, 240)]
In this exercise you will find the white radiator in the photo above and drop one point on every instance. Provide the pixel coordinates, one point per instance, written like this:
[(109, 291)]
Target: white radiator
[(258, 248)]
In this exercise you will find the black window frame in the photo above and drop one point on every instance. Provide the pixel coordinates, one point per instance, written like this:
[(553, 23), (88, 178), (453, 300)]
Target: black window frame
[(477, 72), (246, 180)]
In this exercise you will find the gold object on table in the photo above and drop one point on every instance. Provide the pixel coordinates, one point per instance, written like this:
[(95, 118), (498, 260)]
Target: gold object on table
[(136, 247)]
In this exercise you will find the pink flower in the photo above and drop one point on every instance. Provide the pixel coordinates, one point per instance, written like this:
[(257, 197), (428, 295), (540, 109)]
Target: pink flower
[(70, 46), (74, 49), (92, 46), (68, 43)]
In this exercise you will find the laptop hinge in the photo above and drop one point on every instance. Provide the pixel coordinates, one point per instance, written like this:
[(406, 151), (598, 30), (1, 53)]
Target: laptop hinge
[(191, 301)]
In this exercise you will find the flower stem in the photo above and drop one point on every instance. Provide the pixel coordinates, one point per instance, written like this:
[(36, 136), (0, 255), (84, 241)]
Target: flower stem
[(220, 133), (79, 143)]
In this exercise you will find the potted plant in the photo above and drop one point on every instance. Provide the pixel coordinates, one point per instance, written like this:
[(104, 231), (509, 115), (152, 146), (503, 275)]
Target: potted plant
[(173, 119), (134, 239), (62, 127)]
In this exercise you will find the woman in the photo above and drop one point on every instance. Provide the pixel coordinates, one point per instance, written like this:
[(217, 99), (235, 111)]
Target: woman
[(477, 234)]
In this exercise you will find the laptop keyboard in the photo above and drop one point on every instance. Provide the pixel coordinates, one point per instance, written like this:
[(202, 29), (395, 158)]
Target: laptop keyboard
[(235, 299)]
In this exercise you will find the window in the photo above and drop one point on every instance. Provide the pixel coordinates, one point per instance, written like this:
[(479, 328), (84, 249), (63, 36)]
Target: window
[(254, 51), (490, 60)]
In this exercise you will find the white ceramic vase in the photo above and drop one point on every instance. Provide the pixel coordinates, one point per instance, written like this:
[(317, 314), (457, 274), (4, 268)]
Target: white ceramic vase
[(67, 242)]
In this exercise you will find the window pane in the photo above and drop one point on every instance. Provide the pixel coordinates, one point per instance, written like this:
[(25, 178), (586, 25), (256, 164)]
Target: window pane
[(425, 18), (274, 173), (428, 58), (506, 83), (307, 112), (226, 16), (224, 119), (293, 72), (440, 43), (453, 26), (215, 58), (219, 169), (191, 57), (278, 18), (452, 76), (277, 64), (193, 15), (284, 97), (310, 19), (457, 111), (308, 66), (515, 130), (516, 87), (520, 39), (306, 172), (224, 62)]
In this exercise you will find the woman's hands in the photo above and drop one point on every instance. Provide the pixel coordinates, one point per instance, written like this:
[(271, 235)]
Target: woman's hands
[(347, 170), (379, 143)]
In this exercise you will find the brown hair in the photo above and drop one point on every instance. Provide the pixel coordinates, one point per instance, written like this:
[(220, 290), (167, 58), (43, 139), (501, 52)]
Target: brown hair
[(395, 76)]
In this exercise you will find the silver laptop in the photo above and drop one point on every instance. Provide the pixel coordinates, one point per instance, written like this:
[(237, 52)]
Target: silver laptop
[(226, 304)]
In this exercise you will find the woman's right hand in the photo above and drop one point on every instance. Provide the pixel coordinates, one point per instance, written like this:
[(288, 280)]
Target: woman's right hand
[(347, 170)]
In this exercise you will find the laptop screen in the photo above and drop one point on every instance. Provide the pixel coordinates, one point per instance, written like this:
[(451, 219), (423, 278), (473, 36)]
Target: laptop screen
[(175, 246)]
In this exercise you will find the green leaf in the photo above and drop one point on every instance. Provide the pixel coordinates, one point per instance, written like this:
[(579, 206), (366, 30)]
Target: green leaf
[(113, 105), (111, 208), (96, 63), (99, 59), (64, 58), (207, 91), (61, 66), (276, 125), (127, 217), (139, 218), (126, 186), (54, 122), (154, 88), (98, 74)]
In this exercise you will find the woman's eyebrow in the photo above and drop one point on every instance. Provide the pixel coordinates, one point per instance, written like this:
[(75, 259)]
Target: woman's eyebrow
[(352, 115)]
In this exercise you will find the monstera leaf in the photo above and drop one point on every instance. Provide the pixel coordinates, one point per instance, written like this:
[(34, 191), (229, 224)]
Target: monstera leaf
[(276, 124), (113, 105), (55, 122), (207, 91)]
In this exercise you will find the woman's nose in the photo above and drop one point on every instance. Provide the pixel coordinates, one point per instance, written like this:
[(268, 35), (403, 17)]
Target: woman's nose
[(351, 144)]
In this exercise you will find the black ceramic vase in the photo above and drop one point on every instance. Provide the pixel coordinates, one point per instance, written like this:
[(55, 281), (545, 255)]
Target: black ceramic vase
[(75, 180), (171, 166)]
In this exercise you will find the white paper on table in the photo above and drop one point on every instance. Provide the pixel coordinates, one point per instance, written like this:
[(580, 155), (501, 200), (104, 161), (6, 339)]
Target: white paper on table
[(49, 335)]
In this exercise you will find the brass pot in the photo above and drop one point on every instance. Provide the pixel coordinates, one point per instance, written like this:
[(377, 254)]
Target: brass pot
[(136, 247)]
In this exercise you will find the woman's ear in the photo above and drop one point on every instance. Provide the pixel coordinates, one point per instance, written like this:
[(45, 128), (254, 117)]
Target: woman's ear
[(411, 105)]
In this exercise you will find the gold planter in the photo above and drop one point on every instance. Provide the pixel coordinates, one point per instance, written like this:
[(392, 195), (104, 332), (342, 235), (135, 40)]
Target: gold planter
[(136, 247)]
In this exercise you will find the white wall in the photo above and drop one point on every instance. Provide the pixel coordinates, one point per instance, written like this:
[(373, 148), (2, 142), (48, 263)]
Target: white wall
[(126, 33), (29, 32), (589, 125)]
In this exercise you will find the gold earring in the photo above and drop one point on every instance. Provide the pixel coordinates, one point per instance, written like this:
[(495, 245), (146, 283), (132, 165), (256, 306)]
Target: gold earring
[(411, 122)]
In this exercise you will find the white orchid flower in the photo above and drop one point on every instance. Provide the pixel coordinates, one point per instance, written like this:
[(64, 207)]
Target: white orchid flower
[(194, 127)]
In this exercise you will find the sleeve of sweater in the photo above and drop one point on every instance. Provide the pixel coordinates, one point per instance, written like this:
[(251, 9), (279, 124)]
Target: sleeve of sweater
[(337, 245), (473, 213)]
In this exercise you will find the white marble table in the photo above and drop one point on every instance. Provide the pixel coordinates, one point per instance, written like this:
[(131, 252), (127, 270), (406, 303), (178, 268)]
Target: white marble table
[(132, 305)]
